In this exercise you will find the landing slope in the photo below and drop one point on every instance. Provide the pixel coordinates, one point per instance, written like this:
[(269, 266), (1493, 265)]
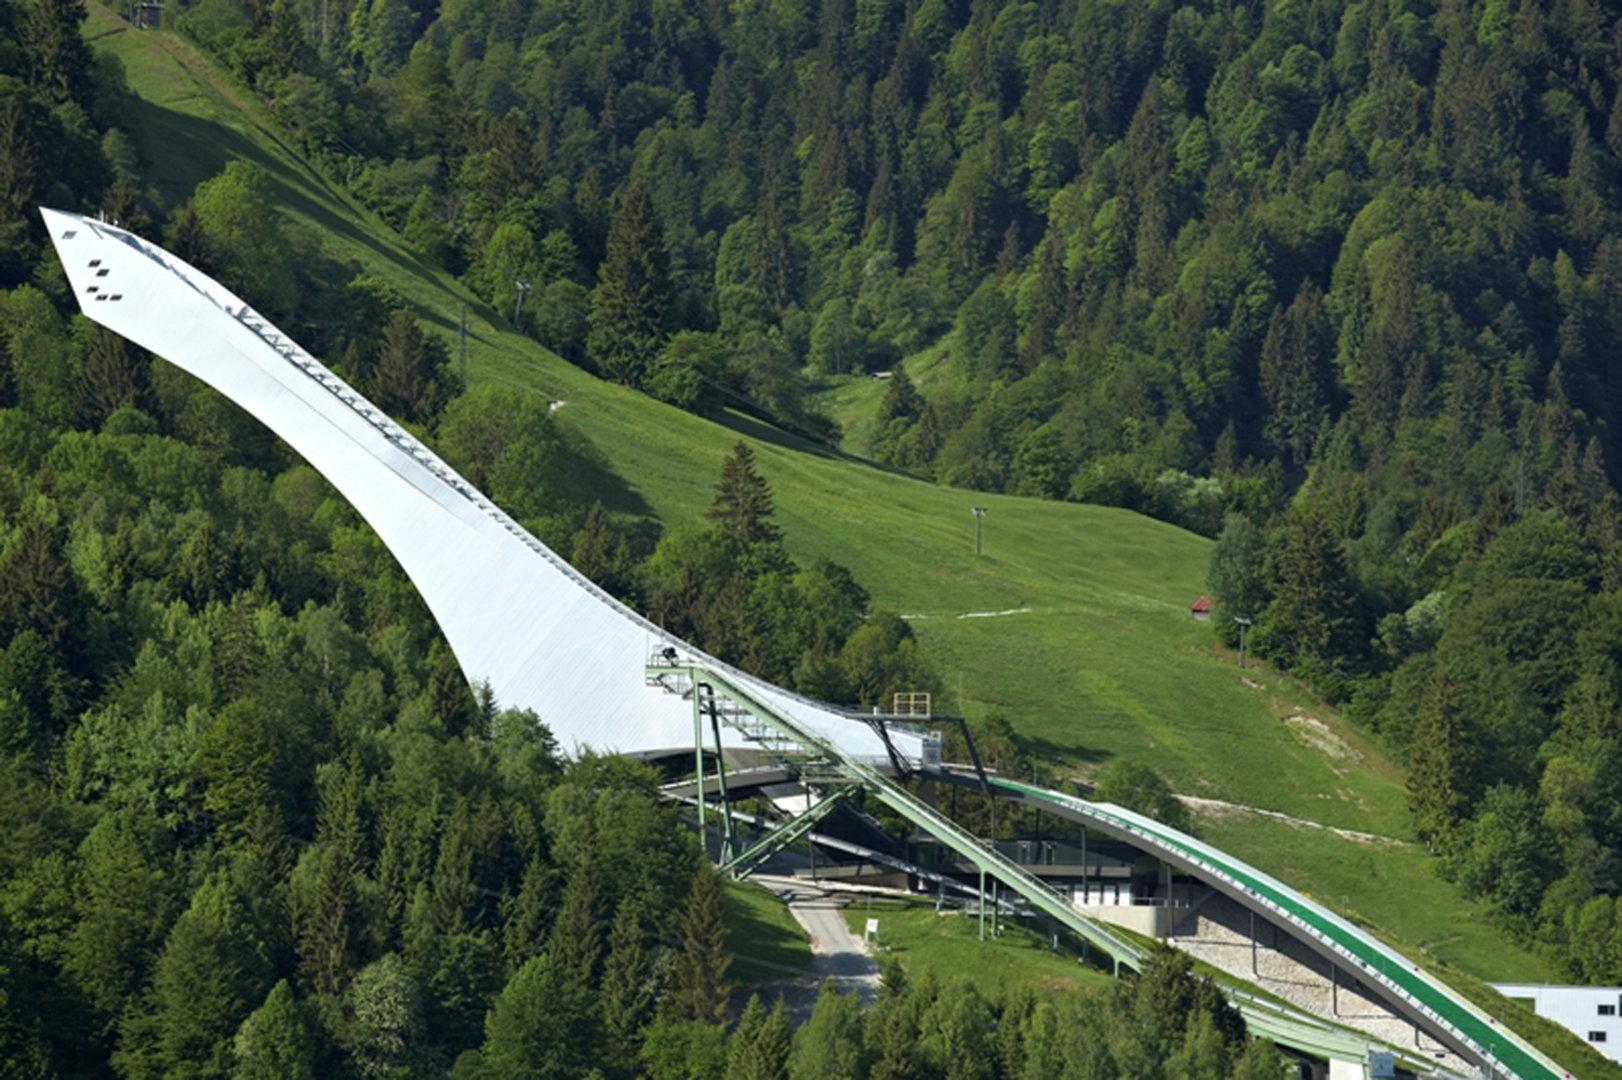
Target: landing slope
[(1096, 655)]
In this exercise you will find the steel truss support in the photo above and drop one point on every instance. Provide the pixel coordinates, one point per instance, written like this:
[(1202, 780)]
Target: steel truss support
[(748, 862), (728, 844), (984, 857)]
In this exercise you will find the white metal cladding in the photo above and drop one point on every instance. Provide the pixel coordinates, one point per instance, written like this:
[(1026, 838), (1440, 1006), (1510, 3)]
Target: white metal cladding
[(515, 613)]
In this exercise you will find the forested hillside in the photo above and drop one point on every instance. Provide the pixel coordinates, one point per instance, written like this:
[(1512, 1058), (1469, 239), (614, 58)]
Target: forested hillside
[(253, 820), (1334, 281), (1344, 275)]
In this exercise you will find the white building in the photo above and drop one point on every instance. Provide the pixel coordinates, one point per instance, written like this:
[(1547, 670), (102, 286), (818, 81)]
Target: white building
[(1593, 1013)]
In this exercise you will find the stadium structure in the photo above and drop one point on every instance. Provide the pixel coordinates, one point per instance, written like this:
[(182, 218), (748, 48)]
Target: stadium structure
[(543, 637)]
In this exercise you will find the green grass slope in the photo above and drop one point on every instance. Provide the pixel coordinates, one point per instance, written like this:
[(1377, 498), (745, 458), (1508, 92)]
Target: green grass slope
[(1096, 655), (949, 943)]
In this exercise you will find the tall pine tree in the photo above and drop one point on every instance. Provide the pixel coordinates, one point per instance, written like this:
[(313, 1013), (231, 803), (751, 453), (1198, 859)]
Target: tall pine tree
[(699, 989), (1441, 761), (1314, 610), (743, 500), (631, 303)]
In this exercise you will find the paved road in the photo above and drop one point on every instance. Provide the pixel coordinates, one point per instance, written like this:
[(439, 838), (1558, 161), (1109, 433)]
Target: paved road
[(836, 953)]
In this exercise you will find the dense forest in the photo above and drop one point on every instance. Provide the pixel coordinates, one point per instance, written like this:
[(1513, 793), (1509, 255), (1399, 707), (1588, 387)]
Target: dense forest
[(255, 822), (1331, 281), (1335, 280)]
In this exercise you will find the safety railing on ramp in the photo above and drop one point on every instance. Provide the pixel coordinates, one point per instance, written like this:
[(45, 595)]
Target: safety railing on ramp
[(1439, 1004)]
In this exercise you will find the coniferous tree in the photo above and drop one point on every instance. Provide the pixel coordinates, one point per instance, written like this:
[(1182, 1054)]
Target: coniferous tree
[(743, 500), (536, 1030), (525, 923), (326, 932), (829, 1046), (628, 987), (631, 303), (741, 1043), (1048, 302), (59, 58), (409, 378), (277, 1041), (213, 971), (126, 899), (110, 379), (1313, 607), (576, 941), (698, 976), (1294, 374), (1441, 761), (37, 589), (449, 698), (760, 1044), (599, 551)]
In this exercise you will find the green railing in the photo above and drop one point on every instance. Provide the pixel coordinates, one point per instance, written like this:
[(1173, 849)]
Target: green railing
[(1285, 1024), (1502, 1049)]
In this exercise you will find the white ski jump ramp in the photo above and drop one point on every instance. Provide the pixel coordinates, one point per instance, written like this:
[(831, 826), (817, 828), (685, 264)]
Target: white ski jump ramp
[(515, 613)]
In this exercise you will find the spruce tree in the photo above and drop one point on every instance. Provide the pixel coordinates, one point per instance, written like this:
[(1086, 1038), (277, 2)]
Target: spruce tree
[(111, 379), (277, 1041), (743, 500), (535, 1030), (408, 380), (327, 931), (628, 989), (524, 927), (1295, 374), (449, 697), (902, 402), (59, 59), (760, 1044), (699, 989), (38, 591), (741, 1043), (1441, 761), (830, 1046), (598, 549), (213, 972), (576, 941), (631, 303), (1314, 608), (1048, 302)]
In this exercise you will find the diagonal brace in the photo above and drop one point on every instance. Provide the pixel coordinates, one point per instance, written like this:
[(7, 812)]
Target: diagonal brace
[(785, 834)]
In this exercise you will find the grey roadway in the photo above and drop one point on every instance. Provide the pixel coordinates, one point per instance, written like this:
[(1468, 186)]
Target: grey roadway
[(836, 953)]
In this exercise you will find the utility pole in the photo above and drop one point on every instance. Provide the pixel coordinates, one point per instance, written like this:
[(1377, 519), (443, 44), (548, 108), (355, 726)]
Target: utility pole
[(1244, 624), (979, 516), (518, 308)]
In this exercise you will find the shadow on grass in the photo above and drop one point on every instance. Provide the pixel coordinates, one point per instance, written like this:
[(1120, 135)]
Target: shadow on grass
[(1042, 749), (186, 149), (767, 432), (763, 951)]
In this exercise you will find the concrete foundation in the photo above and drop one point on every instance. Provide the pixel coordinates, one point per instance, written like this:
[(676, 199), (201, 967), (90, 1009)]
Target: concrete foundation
[(1219, 932), (1151, 921)]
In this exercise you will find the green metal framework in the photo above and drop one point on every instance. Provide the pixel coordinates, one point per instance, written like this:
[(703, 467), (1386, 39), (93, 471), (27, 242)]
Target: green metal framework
[(742, 865), (1506, 1052)]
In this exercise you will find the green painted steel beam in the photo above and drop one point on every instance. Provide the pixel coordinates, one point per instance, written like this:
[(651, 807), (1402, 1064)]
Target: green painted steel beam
[(785, 834)]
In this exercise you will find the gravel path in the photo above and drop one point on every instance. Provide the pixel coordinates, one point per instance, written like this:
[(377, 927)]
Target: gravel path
[(836, 953)]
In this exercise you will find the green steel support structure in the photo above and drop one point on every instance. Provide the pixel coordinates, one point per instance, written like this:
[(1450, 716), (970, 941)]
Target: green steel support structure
[(741, 866), (1423, 996)]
